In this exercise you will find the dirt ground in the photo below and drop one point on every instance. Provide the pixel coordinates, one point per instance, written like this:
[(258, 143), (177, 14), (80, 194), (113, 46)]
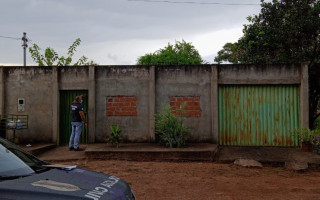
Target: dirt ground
[(195, 180)]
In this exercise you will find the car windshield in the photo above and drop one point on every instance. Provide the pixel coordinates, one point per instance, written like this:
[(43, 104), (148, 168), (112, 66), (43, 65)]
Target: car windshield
[(15, 162)]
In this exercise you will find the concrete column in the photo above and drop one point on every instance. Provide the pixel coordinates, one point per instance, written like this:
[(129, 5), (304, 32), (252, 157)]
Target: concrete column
[(152, 103), (304, 96), (92, 105), (214, 104), (55, 105), (2, 99)]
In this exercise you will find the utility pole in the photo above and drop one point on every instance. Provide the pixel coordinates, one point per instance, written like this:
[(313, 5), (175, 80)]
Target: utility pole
[(25, 45)]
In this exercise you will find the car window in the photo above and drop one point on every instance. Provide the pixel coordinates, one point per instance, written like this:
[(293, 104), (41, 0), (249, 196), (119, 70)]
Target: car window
[(11, 165)]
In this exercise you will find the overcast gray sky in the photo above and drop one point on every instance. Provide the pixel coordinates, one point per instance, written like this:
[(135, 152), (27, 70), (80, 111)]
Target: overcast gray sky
[(117, 32)]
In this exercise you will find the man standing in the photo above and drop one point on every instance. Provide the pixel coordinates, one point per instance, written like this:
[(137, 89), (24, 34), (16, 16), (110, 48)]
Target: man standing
[(78, 119)]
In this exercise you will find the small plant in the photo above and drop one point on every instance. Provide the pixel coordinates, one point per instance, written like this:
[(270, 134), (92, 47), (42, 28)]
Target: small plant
[(306, 135), (170, 128), (316, 143), (115, 135), (309, 137)]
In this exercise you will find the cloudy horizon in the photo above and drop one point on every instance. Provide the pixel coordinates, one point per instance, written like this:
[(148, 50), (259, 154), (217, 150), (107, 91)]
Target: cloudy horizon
[(117, 32)]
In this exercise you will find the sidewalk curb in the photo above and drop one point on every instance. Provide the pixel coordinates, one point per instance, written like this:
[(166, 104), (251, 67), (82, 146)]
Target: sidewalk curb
[(39, 149)]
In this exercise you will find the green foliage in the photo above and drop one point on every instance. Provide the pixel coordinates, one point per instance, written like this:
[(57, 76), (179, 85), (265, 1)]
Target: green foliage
[(306, 135), (285, 31), (170, 128), (181, 53), (227, 54), (115, 135), (51, 57), (279, 34), (36, 56)]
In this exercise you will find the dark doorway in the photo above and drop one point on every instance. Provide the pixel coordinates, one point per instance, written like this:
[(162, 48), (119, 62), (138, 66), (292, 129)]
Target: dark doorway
[(66, 98)]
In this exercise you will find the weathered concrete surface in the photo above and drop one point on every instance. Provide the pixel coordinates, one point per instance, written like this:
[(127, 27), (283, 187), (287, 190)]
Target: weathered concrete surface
[(62, 153), (296, 165), (214, 105), (74, 78), (259, 74), (268, 155), (152, 86), (37, 149), (134, 151), (290, 158), (34, 84), (131, 81), (247, 163), (92, 104), (152, 152), (304, 99), (187, 81)]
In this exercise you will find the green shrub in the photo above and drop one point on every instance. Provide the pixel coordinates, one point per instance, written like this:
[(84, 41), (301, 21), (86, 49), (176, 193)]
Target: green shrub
[(306, 135), (115, 135), (310, 137), (170, 128)]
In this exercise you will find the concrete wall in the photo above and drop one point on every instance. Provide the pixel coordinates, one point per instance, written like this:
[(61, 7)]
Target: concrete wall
[(259, 74), (187, 81), (34, 84), (73, 78), (150, 87), (133, 81)]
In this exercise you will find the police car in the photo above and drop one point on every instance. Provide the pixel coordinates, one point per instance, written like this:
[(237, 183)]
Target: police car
[(23, 176)]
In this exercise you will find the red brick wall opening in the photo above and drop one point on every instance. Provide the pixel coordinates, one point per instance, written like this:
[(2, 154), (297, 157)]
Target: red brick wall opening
[(190, 105), (122, 106)]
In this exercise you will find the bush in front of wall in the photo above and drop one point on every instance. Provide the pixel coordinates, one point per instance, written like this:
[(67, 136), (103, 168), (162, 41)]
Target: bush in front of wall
[(170, 128), (115, 135), (309, 137)]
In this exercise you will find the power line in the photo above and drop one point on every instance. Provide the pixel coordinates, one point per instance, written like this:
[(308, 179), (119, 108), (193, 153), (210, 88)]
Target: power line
[(25, 41), (30, 41), (10, 37), (194, 2), (33, 44)]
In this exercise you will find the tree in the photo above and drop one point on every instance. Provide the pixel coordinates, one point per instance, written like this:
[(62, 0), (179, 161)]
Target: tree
[(228, 54), (51, 57), (285, 31), (181, 53)]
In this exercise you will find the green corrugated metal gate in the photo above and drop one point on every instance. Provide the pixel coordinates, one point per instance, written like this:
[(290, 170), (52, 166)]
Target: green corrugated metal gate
[(258, 115), (66, 98)]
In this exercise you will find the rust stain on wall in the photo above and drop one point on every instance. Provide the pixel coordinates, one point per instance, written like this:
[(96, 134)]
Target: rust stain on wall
[(258, 115)]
